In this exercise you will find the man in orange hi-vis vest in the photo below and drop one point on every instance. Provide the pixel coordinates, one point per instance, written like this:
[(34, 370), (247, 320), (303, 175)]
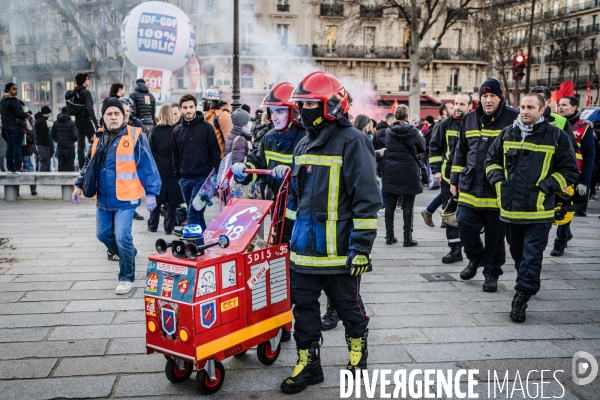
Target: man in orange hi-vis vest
[(124, 170)]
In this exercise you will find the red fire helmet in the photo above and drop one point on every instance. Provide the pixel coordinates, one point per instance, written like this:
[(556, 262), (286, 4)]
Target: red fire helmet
[(324, 87), (280, 96)]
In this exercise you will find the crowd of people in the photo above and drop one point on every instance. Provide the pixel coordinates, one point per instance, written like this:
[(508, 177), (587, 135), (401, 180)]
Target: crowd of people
[(499, 170)]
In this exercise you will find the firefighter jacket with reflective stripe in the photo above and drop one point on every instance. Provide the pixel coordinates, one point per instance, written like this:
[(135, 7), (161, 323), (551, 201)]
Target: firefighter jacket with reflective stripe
[(275, 149), (586, 151), (475, 138), (442, 146), (333, 199), (127, 169), (519, 167)]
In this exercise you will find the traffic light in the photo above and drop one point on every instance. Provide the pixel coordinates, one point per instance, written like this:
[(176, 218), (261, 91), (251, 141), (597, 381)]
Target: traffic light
[(519, 65)]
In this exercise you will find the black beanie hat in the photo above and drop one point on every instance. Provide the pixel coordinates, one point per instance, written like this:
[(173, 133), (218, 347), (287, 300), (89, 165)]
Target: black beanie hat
[(46, 110), (112, 102), (491, 86), (8, 86)]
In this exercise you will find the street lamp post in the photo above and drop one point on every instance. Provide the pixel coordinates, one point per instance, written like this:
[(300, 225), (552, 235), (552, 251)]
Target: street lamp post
[(235, 95)]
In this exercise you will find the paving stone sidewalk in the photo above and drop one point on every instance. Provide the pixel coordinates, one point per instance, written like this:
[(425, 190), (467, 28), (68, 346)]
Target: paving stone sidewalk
[(65, 334)]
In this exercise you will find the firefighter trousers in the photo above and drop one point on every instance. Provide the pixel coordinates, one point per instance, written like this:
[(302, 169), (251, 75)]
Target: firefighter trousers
[(452, 233), (343, 291), (470, 223), (527, 243)]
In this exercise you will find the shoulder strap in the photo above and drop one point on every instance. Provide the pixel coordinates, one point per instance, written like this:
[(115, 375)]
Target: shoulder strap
[(216, 122)]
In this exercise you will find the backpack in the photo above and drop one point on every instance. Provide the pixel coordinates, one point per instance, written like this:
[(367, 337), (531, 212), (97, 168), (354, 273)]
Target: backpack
[(75, 102), (216, 121)]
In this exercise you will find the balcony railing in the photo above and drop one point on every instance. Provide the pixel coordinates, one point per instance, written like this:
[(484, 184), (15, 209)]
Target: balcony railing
[(351, 51), (63, 67), (332, 10), (551, 14), (463, 15), (249, 49), (408, 11), (592, 28), (452, 54), (371, 12), (588, 54), (454, 89), (283, 7)]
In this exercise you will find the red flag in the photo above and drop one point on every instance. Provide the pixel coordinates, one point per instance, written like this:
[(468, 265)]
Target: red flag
[(394, 106), (566, 89), (588, 93)]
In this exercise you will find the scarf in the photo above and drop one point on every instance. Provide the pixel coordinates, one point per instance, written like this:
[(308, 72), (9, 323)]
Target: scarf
[(526, 130)]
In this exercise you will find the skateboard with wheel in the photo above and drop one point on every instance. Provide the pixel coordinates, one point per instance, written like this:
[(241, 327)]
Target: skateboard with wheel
[(206, 192)]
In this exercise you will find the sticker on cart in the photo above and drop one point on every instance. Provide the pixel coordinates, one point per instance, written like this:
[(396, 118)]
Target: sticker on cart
[(151, 307), (230, 304), (228, 274), (207, 282), (183, 286), (258, 274), (167, 287), (208, 314), (152, 282), (176, 269), (169, 318)]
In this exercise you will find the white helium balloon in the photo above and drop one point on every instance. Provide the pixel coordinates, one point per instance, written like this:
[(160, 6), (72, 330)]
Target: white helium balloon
[(158, 35)]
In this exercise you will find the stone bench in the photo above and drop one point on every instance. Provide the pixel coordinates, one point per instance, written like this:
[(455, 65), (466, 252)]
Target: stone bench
[(11, 182)]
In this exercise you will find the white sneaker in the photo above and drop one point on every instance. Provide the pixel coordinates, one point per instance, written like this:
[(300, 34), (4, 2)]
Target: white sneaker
[(124, 287), (381, 213)]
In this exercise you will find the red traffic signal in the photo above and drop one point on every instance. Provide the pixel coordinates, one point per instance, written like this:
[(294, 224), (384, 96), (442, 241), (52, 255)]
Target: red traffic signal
[(519, 65)]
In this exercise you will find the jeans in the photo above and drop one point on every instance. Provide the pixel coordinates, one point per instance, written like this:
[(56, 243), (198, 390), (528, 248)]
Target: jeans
[(343, 291), (383, 196), (527, 243), (435, 204), (408, 203), (113, 228), (189, 189), (493, 255), (28, 165), (14, 162)]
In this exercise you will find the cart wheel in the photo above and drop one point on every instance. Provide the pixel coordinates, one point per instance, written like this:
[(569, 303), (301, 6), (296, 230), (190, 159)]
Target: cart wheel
[(241, 354), (174, 374), (205, 385), (265, 354)]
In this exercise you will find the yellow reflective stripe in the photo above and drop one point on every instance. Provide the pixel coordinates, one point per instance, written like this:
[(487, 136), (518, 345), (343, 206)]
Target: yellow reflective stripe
[(254, 176), (492, 167), (309, 261), (527, 215), (545, 167), (540, 201), (332, 208), (310, 159), (528, 146), (457, 168), (476, 202), (279, 157), (451, 133), (434, 159), (290, 214), (579, 156), (365, 223), (490, 132), (471, 134), (562, 182)]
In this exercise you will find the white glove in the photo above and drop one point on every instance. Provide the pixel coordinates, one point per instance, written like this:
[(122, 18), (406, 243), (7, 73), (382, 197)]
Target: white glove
[(280, 171), (238, 170), (582, 189)]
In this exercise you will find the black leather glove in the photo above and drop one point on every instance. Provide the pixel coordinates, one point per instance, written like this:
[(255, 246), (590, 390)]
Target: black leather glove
[(548, 189)]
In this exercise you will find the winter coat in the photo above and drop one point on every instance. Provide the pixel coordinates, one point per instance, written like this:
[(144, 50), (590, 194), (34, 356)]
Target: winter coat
[(42, 132), (379, 143), (587, 146), (64, 132), (402, 172), (442, 147), (477, 133), (145, 104), (107, 171), (527, 172), (160, 139), (237, 144), (332, 201), (195, 149), (259, 132), (222, 125), (88, 114), (12, 111)]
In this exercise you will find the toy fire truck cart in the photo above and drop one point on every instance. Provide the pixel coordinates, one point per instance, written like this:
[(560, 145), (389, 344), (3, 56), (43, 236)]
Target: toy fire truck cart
[(214, 297)]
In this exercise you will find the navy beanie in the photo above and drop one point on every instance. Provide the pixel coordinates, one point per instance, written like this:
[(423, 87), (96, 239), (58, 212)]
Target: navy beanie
[(112, 102), (491, 86), (64, 110)]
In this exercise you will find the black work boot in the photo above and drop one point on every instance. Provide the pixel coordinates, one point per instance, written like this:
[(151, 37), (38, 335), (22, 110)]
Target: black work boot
[(470, 271), (286, 335), (407, 215), (307, 371), (558, 250), (454, 255), (358, 352), (330, 319), (390, 240), (519, 305), (490, 284)]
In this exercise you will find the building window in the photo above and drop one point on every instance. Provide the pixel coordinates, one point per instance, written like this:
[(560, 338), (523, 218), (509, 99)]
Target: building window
[(368, 75), (330, 39), (180, 80), (219, 82), (458, 39), (555, 8), (404, 78), (70, 85), (209, 32), (104, 49), (331, 70), (248, 5), (194, 7), (210, 6), (282, 34), (247, 33), (227, 82), (283, 5), (209, 72), (569, 6), (41, 93), (454, 78), (25, 93), (369, 41), (247, 76)]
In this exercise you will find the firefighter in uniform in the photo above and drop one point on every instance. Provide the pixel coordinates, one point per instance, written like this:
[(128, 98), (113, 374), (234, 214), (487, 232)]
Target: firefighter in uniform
[(441, 155), (554, 119), (586, 154), (478, 207), (334, 212), (528, 163)]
